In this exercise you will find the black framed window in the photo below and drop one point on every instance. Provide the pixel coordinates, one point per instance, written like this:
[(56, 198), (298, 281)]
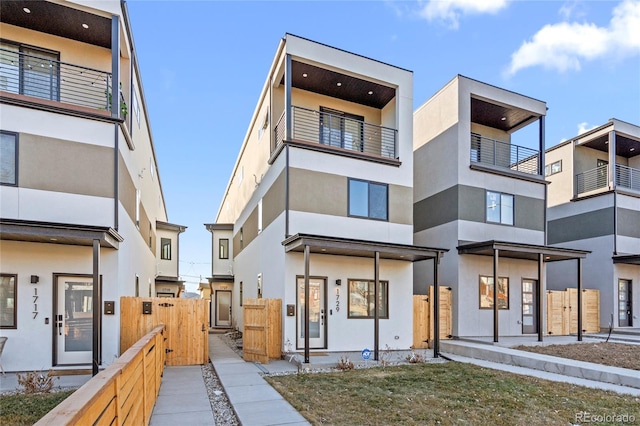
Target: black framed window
[(165, 248), (487, 294), (553, 168), (499, 208), (30, 71), (368, 199), (8, 300), (8, 158), (361, 301), (223, 252)]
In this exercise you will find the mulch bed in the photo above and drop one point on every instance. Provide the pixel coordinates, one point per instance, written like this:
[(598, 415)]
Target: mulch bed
[(605, 353)]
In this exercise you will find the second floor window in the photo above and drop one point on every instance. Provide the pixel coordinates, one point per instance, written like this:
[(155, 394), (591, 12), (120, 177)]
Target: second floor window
[(224, 248), (165, 248), (499, 208), (8, 158), (29, 71), (368, 199)]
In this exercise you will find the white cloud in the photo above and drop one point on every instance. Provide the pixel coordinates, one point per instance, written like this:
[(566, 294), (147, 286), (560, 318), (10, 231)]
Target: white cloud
[(450, 11), (584, 127), (565, 45), (570, 9)]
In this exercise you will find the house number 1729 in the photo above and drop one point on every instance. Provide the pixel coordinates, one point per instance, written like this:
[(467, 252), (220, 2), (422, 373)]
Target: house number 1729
[(337, 300)]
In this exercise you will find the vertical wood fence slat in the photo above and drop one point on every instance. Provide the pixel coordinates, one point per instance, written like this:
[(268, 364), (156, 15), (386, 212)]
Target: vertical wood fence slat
[(423, 317), (562, 311), (262, 333)]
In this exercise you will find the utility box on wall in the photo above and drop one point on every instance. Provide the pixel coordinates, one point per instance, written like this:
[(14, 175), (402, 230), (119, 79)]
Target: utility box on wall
[(109, 307), (146, 308)]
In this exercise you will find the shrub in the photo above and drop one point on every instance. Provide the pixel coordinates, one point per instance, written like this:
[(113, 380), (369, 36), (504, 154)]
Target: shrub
[(345, 363), (36, 382)]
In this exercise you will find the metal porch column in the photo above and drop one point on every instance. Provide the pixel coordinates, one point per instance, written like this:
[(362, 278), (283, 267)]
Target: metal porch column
[(540, 305), (376, 307), (579, 300), (436, 308), (95, 361), (306, 304), (496, 254)]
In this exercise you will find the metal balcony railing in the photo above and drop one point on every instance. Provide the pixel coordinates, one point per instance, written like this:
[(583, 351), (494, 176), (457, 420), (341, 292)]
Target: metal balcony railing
[(504, 155), (592, 179), (338, 131), (44, 78), (627, 177)]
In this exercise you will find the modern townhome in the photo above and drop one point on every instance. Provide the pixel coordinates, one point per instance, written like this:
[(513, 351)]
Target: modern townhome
[(82, 213), (318, 208), (594, 204), (168, 282), (479, 190)]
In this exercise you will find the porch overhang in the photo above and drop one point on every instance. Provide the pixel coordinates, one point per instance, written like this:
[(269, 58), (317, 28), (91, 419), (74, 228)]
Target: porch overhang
[(521, 251), (627, 259), (58, 233), (220, 278), (360, 248)]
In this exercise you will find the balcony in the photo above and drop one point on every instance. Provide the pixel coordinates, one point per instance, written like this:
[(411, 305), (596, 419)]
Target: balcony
[(594, 179), (51, 82), (337, 132), (504, 155)]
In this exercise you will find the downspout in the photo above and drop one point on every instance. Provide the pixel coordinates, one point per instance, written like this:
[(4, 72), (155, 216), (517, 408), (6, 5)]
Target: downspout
[(287, 134), (614, 182), (541, 171), (116, 177)]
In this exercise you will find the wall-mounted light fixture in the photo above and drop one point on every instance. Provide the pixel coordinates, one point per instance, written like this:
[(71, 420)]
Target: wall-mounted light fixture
[(338, 282), (35, 279)]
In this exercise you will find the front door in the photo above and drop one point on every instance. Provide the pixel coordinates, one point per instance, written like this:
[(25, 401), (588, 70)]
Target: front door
[(223, 308), (529, 301), (73, 320), (317, 309), (624, 304)]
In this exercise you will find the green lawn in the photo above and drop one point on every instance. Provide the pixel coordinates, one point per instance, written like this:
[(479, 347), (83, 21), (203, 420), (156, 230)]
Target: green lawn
[(447, 393), (25, 410)]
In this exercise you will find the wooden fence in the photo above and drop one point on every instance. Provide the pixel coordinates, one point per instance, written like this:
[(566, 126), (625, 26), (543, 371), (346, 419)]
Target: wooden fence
[(262, 333), (186, 321), (423, 317), (562, 312), (122, 394)]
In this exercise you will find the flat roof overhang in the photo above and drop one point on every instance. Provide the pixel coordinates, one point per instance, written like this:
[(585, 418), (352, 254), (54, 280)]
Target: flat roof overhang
[(169, 280), (360, 248), (58, 233), (628, 259), (220, 278), (521, 251)]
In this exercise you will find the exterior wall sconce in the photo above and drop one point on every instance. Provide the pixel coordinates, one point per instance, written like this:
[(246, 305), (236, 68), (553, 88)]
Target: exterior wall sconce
[(35, 279), (338, 282)]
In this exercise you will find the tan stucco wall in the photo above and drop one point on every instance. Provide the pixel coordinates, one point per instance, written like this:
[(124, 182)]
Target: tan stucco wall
[(436, 115)]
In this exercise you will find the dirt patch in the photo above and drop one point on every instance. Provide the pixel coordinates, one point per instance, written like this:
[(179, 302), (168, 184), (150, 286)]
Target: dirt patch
[(612, 354)]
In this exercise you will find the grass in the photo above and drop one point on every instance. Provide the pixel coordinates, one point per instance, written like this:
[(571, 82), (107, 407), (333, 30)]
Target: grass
[(25, 410), (447, 393), (606, 353)]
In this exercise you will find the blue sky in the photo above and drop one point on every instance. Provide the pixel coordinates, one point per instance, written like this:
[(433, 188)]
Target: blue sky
[(204, 63)]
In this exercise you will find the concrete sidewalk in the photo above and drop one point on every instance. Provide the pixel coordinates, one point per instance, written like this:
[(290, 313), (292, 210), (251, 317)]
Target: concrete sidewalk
[(254, 400)]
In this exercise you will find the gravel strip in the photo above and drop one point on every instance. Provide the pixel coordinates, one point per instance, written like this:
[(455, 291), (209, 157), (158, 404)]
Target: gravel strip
[(223, 413)]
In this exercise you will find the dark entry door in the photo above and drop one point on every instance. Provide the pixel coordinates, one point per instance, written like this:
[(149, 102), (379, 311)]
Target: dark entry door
[(624, 304), (529, 301)]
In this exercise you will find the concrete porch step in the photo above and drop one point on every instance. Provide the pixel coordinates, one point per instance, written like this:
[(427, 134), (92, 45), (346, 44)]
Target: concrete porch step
[(551, 364)]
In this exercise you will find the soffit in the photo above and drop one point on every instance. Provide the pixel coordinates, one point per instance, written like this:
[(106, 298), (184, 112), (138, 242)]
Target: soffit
[(490, 115)]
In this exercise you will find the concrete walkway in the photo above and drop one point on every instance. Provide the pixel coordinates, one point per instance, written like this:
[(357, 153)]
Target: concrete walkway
[(183, 399), (254, 400)]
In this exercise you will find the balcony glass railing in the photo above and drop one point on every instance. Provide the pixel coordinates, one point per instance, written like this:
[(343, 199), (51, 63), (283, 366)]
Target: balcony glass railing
[(44, 78), (338, 131), (504, 155)]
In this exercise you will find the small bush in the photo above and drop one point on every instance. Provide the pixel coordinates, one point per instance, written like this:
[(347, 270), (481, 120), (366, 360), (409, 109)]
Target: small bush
[(36, 382), (415, 358), (345, 363)]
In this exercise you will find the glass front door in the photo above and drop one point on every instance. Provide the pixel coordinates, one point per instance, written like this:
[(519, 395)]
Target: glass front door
[(73, 320), (624, 304), (529, 301), (223, 308), (317, 316)]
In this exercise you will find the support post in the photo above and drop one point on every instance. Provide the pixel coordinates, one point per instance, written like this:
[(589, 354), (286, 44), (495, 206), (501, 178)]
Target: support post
[(579, 300), (95, 361), (612, 160), (376, 307), (115, 66), (539, 306), (288, 112), (496, 254), (436, 308), (541, 140), (306, 304)]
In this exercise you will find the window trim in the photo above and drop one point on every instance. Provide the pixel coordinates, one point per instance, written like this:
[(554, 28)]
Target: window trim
[(163, 244), (480, 293), (16, 143), (15, 302), (371, 282), (369, 183), (513, 208), (226, 249)]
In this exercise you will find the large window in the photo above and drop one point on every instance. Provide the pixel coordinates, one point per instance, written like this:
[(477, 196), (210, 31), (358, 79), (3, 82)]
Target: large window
[(8, 308), (499, 208), (8, 158), (165, 248), (29, 71), (487, 295), (362, 302), (368, 199), (224, 248)]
